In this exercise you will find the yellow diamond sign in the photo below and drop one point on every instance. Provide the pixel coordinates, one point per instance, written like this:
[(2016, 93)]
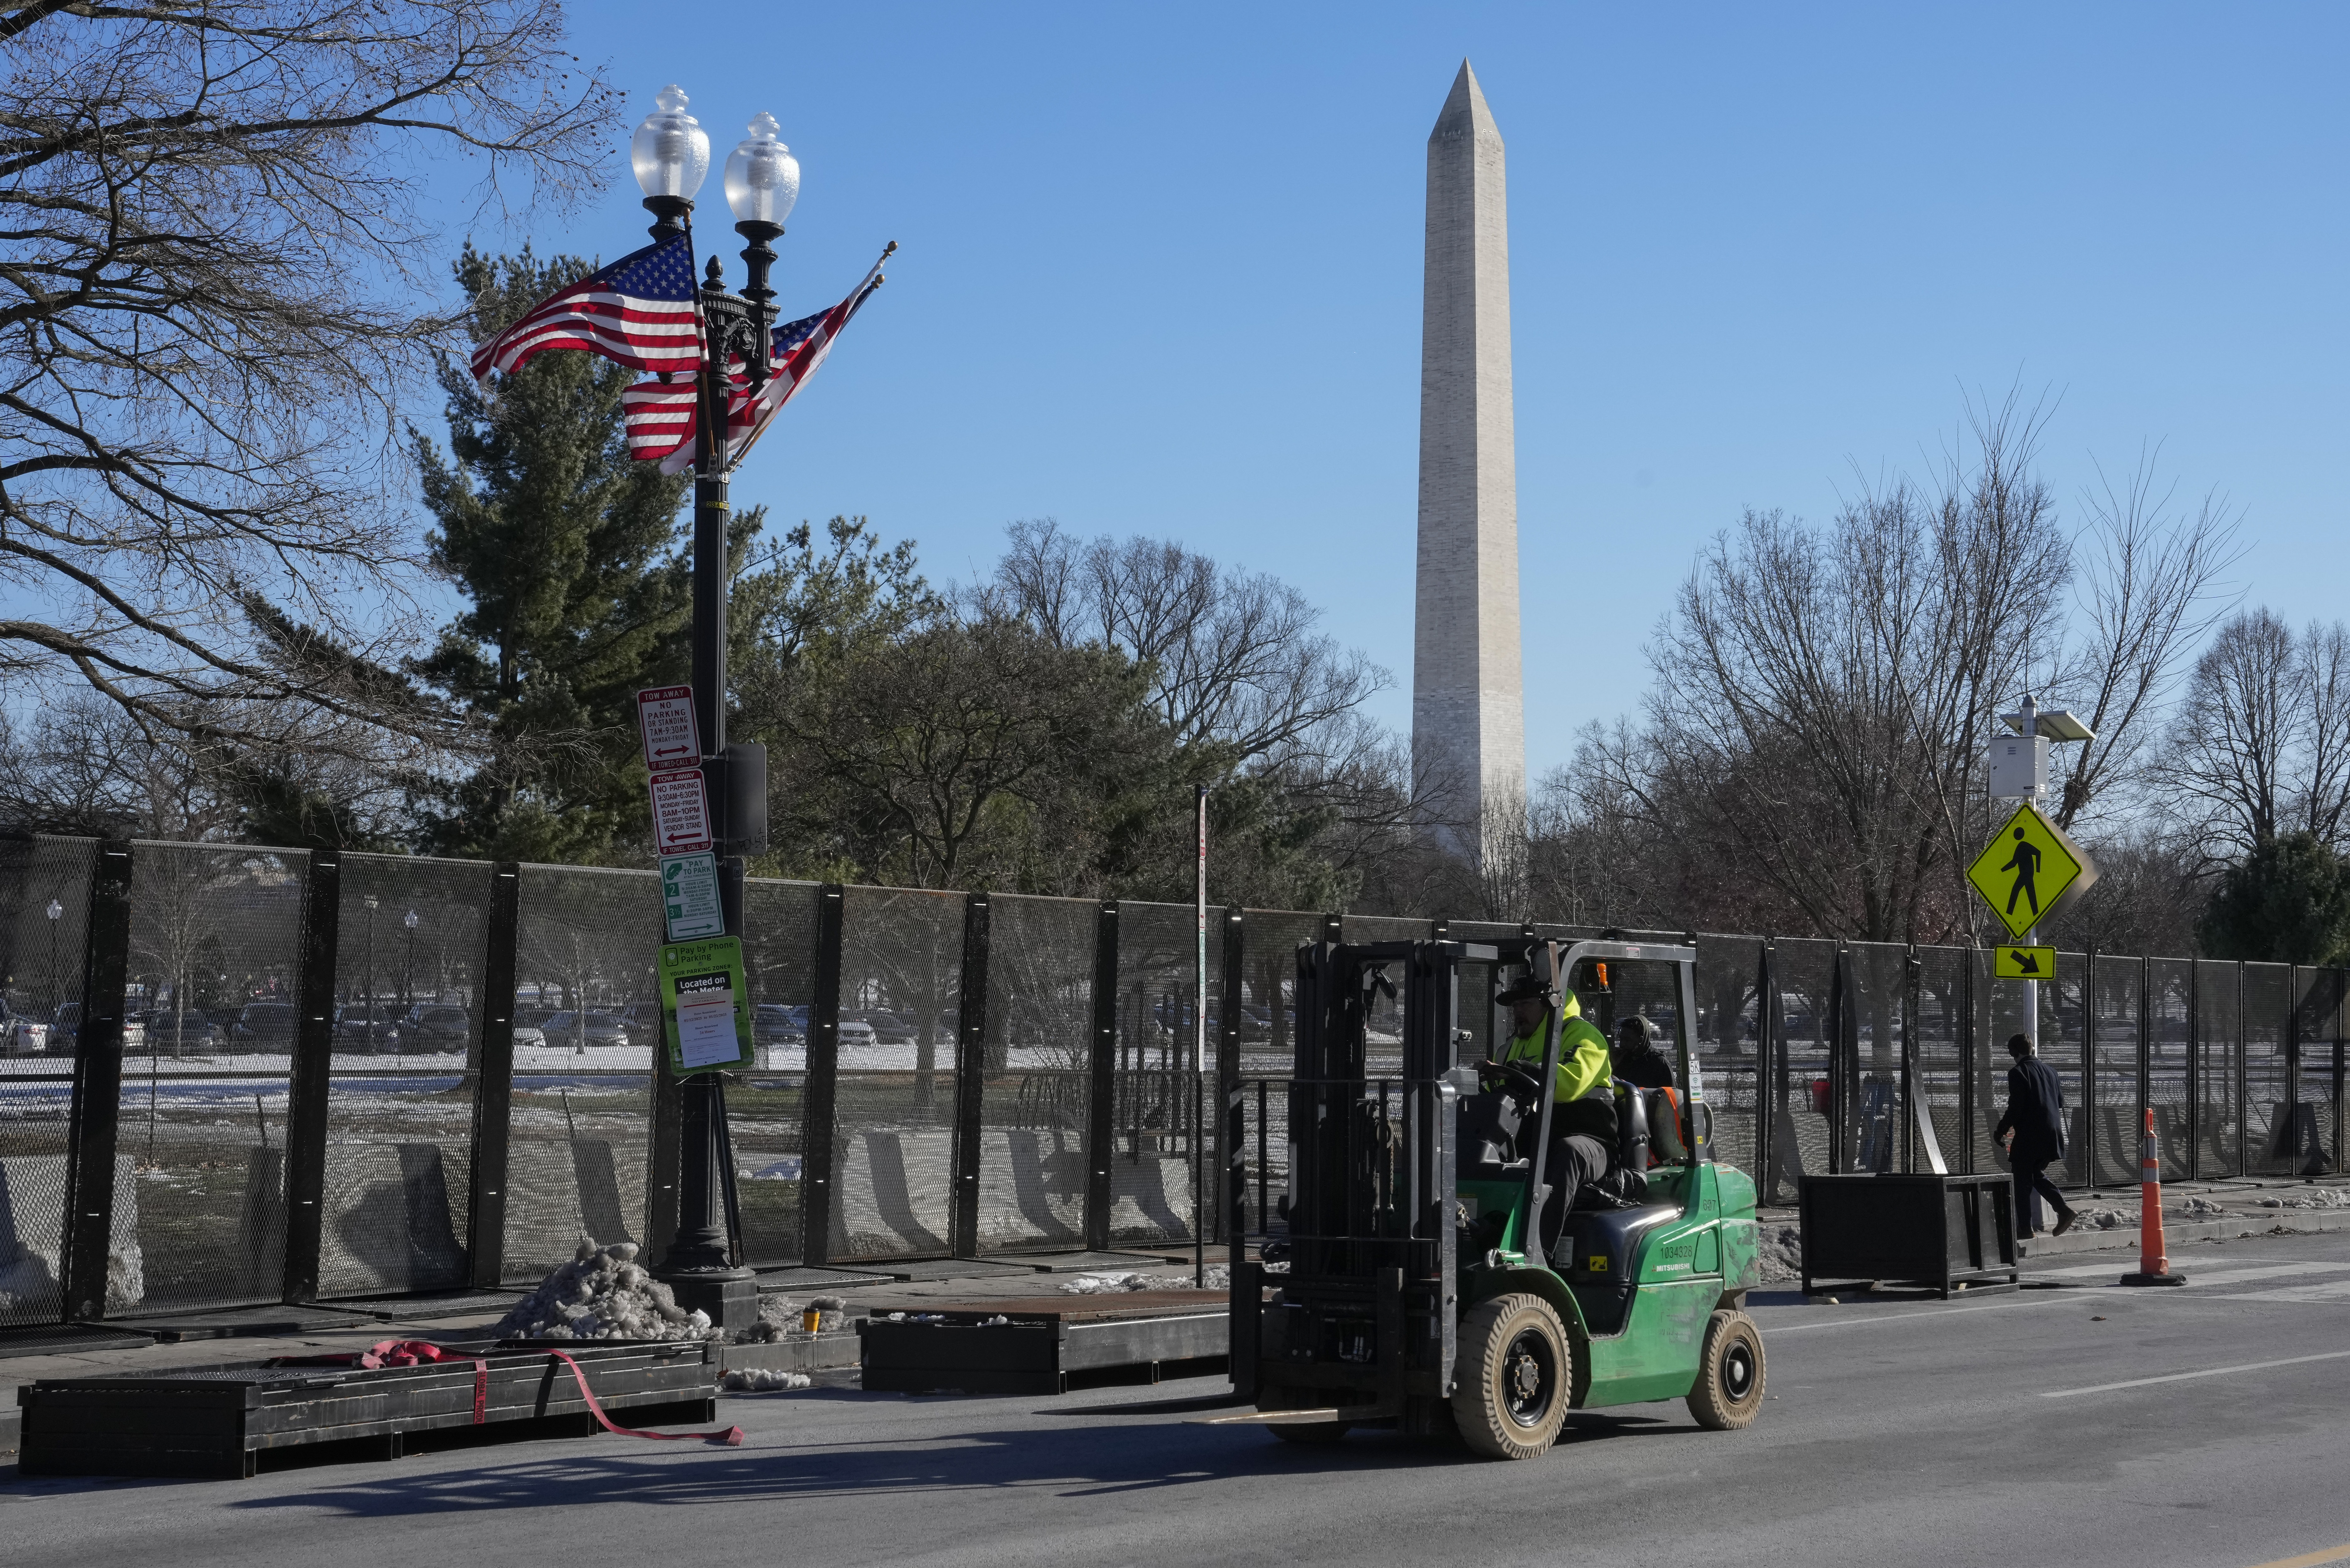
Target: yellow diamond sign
[(2029, 869)]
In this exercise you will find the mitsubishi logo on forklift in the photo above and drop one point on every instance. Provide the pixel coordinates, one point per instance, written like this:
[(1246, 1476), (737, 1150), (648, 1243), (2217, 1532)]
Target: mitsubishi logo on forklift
[(1456, 1143)]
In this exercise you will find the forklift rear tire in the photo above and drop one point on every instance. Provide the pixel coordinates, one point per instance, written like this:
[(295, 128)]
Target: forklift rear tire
[(1730, 1374), (1516, 1373)]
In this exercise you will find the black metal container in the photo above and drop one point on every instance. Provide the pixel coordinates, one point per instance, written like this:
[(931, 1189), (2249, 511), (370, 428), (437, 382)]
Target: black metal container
[(1936, 1231)]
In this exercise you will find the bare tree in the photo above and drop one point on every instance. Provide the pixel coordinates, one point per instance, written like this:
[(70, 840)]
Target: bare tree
[(1233, 656), (2148, 591), (209, 277), (2262, 743)]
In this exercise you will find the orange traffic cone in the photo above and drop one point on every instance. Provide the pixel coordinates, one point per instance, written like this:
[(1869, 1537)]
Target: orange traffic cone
[(2153, 1263)]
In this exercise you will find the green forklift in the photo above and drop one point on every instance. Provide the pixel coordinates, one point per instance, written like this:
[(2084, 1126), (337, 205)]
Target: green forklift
[(1432, 1285)]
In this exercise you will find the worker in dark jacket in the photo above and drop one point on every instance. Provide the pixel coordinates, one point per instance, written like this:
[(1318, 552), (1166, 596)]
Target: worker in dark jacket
[(2035, 1115), (1636, 1059)]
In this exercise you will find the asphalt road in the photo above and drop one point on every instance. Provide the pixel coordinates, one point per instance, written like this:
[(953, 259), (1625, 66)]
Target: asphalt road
[(2203, 1426)]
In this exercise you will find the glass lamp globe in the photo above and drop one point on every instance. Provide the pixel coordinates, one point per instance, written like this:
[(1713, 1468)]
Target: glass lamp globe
[(763, 178), (670, 151)]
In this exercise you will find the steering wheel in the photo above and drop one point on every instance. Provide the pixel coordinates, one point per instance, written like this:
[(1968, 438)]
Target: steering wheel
[(1514, 1076)]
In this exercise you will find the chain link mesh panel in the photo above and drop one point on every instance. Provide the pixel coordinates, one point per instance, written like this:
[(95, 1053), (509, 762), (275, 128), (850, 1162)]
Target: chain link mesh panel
[(1038, 1092), (1729, 1007), (40, 1002), (2110, 1103), (1805, 971), (587, 1022), (1939, 1051), (2271, 1138), (2169, 1089), (1151, 1161), (215, 945), (2218, 1059), (765, 1106), (893, 1140)]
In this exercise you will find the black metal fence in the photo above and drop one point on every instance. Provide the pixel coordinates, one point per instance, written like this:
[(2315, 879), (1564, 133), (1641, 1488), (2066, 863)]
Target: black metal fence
[(240, 1074)]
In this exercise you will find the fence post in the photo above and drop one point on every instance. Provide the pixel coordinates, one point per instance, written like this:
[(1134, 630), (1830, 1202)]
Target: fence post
[(1913, 972), (1966, 1151), (2090, 1163), (820, 1090), (96, 1106), (663, 1151), (1101, 1082), (971, 1062), (1766, 1101), (1839, 1075), (1233, 1125), (2194, 1069), (2145, 1053), (485, 1228), (2243, 1086), (307, 1083)]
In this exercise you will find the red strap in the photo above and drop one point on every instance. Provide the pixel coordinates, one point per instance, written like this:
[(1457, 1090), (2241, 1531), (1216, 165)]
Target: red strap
[(732, 1436)]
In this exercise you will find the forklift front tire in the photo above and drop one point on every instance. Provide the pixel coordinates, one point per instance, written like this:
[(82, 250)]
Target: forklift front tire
[(1730, 1374), (1511, 1389)]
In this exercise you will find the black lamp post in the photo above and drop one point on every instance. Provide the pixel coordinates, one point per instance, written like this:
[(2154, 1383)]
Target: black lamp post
[(670, 154)]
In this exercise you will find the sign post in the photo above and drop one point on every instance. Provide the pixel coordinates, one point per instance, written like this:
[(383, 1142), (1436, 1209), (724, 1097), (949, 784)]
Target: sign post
[(2030, 868)]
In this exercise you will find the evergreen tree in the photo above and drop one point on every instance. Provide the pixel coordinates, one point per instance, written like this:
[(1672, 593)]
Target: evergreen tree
[(578, 577), (2288, 901)]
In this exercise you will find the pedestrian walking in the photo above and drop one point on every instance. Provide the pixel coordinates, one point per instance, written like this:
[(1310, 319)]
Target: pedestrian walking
[(2035, 1118)]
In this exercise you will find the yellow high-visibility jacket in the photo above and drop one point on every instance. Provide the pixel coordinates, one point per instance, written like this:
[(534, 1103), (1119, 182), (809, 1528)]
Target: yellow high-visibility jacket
[(1584, 1062)]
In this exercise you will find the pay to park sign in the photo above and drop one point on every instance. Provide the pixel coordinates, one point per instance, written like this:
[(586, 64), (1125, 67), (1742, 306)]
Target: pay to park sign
[(2028, 871), (706, 1004)]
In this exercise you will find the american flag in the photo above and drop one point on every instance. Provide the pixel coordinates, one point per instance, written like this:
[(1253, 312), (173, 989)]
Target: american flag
[(637, 312), (661, 414)]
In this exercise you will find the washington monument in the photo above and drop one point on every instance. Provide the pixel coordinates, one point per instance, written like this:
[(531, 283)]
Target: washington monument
[(1468, 702)]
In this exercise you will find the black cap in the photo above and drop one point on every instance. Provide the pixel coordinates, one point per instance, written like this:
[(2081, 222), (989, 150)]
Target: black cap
[(1526, 989)]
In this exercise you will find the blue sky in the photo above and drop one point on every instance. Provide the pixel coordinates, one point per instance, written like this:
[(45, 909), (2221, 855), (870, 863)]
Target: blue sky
[(1160, 274)]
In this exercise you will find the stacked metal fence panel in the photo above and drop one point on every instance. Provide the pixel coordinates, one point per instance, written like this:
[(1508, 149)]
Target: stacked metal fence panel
[(2320, 1050), (2109, 1112), (40, 974), (587, 1023), (766, 1106), (894, 1127), (1804, 971)]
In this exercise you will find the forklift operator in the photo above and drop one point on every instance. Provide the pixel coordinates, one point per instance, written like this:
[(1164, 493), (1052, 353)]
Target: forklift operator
[(1583, 1123)]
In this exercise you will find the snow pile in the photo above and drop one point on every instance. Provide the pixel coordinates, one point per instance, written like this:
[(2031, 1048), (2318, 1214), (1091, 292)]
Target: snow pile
[(1218, 1278), (1780, 1255), (781, 1318), (2201, 1208), (2107, 1218), (2314, 1198), (761, 1380), (603, 1294)]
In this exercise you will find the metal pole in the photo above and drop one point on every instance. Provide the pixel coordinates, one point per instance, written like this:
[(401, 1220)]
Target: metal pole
[(2031, 936), (1199, 1032)]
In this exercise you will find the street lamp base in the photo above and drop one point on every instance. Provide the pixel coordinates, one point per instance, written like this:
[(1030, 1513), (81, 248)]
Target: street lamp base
[(730, 1296)]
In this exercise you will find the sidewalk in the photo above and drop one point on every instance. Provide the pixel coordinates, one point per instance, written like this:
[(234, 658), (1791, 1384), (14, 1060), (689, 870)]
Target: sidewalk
[(245, 1335)]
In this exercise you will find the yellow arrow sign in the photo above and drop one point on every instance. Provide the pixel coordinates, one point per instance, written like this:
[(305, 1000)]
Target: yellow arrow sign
[(2028, 868), (2024, 964)]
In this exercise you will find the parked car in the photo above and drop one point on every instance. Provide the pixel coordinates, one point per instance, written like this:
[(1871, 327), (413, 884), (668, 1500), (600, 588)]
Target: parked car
[(772, 1023), (888, 1028), (436, 1026), (264, 1026), (355, 1030), (580, 1030), (181, 1031), (65, 1032), (20, 1035)]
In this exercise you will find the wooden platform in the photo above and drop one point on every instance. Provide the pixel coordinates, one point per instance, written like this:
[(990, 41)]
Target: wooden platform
[(1048, 1345), (228, 1421)]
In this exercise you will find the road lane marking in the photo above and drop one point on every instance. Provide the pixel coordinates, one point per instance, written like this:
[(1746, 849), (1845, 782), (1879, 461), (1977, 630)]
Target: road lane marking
[(2332, 1291), (2310, 1559), (2185, 1376), (2259, 1271), (1857, 1319)]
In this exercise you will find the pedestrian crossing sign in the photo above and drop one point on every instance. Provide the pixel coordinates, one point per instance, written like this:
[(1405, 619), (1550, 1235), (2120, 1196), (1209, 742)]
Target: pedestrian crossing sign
[(2029, 869), (2024, 963)]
